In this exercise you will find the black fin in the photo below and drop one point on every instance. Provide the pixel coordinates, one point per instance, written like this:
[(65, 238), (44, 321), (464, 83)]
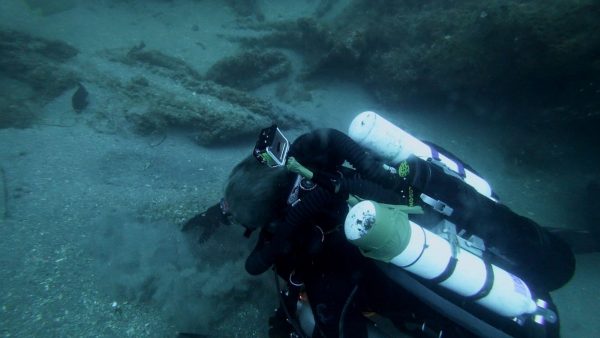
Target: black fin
[(580, 241)]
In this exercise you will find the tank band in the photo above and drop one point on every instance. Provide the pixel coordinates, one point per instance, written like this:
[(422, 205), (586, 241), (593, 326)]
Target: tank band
[(487, 286), (425, 246), (460, 168), (435, 154), (447, 272)]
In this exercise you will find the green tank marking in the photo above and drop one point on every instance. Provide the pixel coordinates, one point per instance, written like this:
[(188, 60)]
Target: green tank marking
[(403, 169), (389, 232)]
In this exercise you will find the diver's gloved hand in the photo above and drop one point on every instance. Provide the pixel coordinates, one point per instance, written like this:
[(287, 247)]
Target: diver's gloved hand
[(266, 251), (260, 260), (211, 217)]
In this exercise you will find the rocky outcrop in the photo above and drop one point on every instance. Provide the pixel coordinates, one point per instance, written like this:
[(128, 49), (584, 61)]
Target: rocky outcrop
[(158, 92), (492, 59), (33, 72), (251, 69), (212, 112), (307, 36)]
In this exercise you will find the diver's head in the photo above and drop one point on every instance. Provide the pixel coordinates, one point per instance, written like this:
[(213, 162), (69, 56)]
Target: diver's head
[(256, 194)]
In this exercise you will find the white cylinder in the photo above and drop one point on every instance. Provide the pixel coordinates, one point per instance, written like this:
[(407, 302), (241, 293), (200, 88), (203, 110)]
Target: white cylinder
[(428, 255), (388, 141), (509, 296), (395, 145), (425, 263)]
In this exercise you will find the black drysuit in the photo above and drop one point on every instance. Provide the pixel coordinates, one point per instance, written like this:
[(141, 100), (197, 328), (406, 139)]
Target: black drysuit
[(309, 239)]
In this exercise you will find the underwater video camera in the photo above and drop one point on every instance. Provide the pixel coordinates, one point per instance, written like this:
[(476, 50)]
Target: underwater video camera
[(272, 147)]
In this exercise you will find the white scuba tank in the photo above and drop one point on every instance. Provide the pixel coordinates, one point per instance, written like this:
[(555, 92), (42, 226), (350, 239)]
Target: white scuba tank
[(395, 145), (383, 233)]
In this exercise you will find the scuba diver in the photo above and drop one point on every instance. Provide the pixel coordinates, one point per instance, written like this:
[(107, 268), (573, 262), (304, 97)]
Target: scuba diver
[(378, 224)]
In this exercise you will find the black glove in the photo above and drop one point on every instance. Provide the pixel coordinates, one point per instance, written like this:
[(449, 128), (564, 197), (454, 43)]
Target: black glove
[(207, 222), (268, 248), (260, 259), (212, 215)]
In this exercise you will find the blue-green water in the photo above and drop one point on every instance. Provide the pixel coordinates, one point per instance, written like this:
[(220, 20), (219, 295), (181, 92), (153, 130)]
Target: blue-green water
[(90, 243)]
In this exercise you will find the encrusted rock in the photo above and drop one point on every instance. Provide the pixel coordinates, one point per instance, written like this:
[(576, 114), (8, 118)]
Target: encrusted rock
[(209, 111), (250, 70), (35, 66), (468, 56)]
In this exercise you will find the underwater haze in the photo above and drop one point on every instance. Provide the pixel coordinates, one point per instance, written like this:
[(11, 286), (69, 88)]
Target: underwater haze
[(121, 119)]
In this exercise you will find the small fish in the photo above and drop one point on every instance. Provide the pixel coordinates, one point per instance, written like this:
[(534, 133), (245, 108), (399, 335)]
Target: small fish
[(79, 100)]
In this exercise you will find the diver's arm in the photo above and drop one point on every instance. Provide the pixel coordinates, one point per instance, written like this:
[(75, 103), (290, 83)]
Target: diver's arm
[(325, 149), (262, 256), (287, 232), (370, 191)]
